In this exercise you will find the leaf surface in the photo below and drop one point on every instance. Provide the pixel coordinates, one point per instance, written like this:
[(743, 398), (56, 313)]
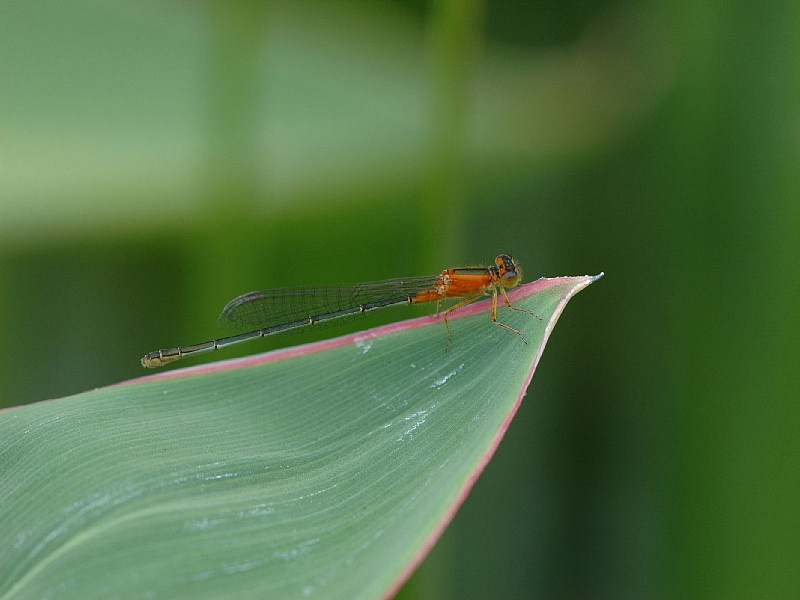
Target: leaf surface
[(322, 471)]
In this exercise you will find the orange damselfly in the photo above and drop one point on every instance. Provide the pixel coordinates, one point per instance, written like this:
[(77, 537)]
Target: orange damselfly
[(270, 312)]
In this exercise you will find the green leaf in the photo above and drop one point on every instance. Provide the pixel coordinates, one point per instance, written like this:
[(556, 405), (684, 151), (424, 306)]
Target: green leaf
[(324, 471)]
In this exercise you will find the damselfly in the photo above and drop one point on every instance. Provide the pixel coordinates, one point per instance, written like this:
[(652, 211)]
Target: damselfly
[(265, 313)]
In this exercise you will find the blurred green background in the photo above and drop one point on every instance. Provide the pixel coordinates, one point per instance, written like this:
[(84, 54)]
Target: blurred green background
[(158, 159)]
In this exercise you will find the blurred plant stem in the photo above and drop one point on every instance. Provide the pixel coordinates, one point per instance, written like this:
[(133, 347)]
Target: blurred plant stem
[(455, 31), (234, 91)]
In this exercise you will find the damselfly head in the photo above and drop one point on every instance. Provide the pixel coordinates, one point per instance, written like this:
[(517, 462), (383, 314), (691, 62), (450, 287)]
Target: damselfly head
[(508, 270)]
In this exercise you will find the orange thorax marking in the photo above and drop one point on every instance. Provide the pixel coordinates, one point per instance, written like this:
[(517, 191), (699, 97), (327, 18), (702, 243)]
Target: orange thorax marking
[(451, 284)]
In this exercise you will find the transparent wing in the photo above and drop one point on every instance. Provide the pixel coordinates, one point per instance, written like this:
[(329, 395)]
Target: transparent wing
[(268, 308)]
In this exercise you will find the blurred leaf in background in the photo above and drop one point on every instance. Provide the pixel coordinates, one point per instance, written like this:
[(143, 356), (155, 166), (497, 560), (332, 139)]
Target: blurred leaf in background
[(158, 159)]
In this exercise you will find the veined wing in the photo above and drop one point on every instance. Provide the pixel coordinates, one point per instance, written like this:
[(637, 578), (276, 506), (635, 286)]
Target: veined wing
[(268, 308)]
